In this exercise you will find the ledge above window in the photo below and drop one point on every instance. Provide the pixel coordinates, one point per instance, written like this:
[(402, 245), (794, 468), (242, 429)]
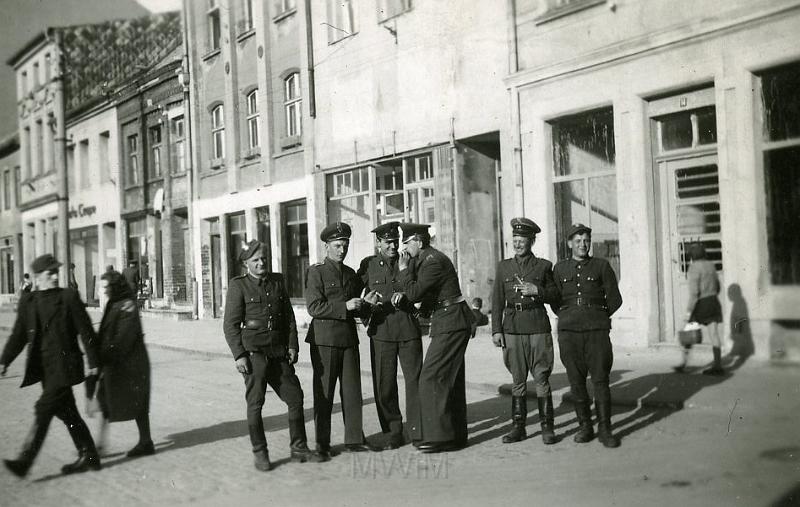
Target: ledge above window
[(570, 7), (290, 142), (251, 153), (211, 53), (283, 15), (217, 163)]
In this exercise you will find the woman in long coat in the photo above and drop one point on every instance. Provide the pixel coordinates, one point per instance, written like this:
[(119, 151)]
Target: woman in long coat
[(124, 392)]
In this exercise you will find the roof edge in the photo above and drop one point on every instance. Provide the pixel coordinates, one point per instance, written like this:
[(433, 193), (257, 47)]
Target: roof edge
[(34, 42)]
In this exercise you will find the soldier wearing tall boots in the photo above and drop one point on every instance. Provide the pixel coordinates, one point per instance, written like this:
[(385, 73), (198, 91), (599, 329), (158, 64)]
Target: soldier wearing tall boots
[(48, 321), (522, 286), (261, 332), (395, 335), (588, 297), (442, 395), (333, 299)]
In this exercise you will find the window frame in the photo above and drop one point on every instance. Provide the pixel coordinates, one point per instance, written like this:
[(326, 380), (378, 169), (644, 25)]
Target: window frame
[(213, 27), (340, 20), (292, 106), (253, 121), (405, 6), (132, 160), (156, 169), (552, 12), (177, 148), (217, 133)]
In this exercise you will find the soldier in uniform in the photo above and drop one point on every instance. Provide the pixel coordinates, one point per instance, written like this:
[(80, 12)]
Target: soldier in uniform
[(333, 299), (442, 396), (261, 332), (589, 296), (395, 334), (522, 286)]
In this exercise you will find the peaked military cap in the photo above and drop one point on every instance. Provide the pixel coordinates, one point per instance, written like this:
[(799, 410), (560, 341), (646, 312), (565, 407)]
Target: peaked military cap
[(524, 227), (44, 262), (387, 231), (412, 231), (578, 229), (334, 231), (251, 249)]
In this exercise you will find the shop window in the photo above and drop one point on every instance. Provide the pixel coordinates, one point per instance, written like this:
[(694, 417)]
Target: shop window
[(390, 201), (292, 102), (340, 20), (295, 235), (213, 26), (388, 9), (780, 146), (237, 240), (155, 151), (217, 135), (177, 152), (133, 159), (585, 181), (253, 121)]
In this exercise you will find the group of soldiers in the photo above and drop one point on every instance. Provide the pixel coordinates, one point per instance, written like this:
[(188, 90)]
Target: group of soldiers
[(388, 294)]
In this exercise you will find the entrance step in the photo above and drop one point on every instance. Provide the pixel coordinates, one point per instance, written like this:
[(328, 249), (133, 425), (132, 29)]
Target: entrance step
[(167, 313)]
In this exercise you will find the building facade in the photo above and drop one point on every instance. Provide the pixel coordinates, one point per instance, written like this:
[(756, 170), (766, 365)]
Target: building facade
[(250, 139), (662, 124), (11, 264)]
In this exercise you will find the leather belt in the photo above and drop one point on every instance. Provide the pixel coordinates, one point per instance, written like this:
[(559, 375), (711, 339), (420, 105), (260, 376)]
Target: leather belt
[(258, 324), (585, 301), (524, 306), (448, 302)]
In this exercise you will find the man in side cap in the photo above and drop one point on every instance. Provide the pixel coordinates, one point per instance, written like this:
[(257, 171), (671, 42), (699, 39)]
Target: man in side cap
[(333, 299), (395, 334), (523, 284), (48, 322), (261, 332), (442, 397), (588, 295)]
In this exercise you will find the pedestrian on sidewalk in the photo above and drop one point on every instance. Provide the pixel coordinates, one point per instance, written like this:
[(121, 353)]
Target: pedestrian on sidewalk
[(703, 306), (442, 388), (522, 286), (124, 387), (589, 296), (261, 332), (395, 335), (333, 299), (48, 321)]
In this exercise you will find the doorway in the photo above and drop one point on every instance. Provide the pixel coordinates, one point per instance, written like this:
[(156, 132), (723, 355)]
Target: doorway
[(216, 275)]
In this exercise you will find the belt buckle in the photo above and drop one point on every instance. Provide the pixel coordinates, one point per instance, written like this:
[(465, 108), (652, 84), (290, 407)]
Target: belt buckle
[(580, 301), (518, 307)]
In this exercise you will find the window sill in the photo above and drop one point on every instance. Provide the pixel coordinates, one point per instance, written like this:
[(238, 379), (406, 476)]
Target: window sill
[(287, 152), (349, 36), (217, 163), (211, 54), (252, 153), (552, 14), (290, 142), (394, 16), (283, 15), (246, 34)]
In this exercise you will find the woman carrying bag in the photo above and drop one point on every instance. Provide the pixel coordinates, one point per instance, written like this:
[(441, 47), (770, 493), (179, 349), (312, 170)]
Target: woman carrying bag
[(703, 307), (124, 385)]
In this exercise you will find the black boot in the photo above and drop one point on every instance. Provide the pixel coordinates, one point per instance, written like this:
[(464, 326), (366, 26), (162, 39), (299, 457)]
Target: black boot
[(519, 412), (585, 430), (300, 453), (604, 434), (88, 459), (33, 442), (716, 368), (546, 416), (261, 460)]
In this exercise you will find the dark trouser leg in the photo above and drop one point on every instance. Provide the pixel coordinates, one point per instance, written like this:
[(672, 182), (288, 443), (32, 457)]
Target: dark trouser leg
[(45, 409), (350, 393), (437, 380), (255, 387), (515, 357), (542, 357), (283, 380), (600, 357), (326, 362), (384, 375), (145, 445), (571, 346), (458, 403), (410, 353), (67, 411)]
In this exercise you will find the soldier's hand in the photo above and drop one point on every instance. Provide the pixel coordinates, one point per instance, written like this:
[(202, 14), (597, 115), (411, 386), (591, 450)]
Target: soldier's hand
[(3, 370), (243, 365), (292, 356), (403, 260), (353, 304), (397, 298), (527, 288), (373, 298), (497, 339)]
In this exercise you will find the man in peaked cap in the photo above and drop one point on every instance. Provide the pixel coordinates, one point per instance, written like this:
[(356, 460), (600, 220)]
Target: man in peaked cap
[(523, 284), (588, 297), (48, 322), (442, 398), (261, 332), (395, 334), (333, 299)]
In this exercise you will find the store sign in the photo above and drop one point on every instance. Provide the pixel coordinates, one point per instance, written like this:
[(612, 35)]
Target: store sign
[(82, 211)]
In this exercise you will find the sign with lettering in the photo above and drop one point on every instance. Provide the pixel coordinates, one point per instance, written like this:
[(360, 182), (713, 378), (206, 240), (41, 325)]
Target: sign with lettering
[(82, 211)]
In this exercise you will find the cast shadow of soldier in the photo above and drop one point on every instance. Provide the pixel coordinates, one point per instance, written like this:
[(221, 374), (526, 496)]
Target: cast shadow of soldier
[(644, 400)]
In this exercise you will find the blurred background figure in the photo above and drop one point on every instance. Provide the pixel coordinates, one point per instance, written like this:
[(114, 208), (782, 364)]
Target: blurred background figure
[(481, 319)]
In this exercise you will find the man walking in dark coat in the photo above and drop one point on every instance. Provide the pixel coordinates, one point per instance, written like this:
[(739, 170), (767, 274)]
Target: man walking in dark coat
[(333, 298), (442, 389), (589, 296), (395, 334), (262, 334), (48, 322), (522, 286)]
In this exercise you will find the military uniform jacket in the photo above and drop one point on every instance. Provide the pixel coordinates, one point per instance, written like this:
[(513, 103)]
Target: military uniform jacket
[(53, 350), (259, 316), (514, 313), (433, 281), (328, 288), (588, 294), (385, 322)]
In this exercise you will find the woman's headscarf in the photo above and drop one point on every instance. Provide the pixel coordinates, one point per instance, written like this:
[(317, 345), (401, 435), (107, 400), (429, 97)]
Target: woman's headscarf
[(119, 288)]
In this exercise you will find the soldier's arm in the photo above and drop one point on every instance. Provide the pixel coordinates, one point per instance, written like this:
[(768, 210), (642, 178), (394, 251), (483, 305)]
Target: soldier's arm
[(557, 288), (82, 322), (549, 292), (498, 300), (428, 275), (288, 311), (613, 297), (318, 305), (232, 322), (17, 340)]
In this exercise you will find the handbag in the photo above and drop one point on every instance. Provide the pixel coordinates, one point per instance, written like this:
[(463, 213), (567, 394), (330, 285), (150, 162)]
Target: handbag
[(691, 334)]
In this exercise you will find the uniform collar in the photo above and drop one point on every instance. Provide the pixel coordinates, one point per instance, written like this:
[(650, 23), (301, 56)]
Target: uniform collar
[(584, 261), (257, 280)]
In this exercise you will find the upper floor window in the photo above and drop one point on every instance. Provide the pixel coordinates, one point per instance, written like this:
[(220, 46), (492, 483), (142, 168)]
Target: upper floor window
[(340, 20), (552, 9), (282, 6), (246, 23), (47, 67), (177, 134), (388, 9), (218, 132), (23, 82), (155, 151), (292, 103), (133, 159), (252, 120), (35, 74), (7, 189), (214, 25)]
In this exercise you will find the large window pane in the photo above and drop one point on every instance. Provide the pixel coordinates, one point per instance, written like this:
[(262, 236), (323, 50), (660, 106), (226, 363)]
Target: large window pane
[(782, 176), (584, 143), (604, 219), (780, 95), (570, 201)]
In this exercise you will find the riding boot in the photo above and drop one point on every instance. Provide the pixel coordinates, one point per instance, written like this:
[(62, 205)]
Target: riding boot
[(546, 417), (585, 430), (88, 458), (30, 449), (519, 413), (603, 406)]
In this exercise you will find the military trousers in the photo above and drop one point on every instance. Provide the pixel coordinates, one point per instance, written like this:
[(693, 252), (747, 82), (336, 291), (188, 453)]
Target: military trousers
[(442, 389), (280, 375), (385, 355), (529, 353), (332, 364), (586, 353)]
